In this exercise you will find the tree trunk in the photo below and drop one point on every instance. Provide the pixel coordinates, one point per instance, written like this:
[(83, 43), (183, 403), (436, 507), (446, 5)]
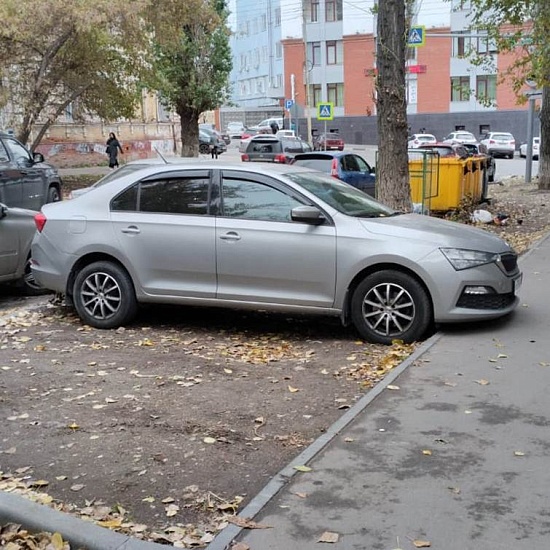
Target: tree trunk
[(189, 119), (544, 150), (393, 187)]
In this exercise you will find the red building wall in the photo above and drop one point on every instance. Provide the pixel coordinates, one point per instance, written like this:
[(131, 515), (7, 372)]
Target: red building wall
[(359, 57)]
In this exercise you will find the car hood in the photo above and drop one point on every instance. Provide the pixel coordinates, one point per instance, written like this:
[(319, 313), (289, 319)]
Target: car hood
[(440, 233)]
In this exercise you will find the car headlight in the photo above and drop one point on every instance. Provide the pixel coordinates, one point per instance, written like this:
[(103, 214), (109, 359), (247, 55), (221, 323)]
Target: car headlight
[(461, 258)]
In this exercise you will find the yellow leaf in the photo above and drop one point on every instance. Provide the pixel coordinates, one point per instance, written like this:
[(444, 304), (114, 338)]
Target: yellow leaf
[(227, 371), (427, 452), (482, 382), (519, 453), (111, 523), (422, 543), (148, 499), (302, 468), (209, 440), (40, 483), (172, 510), (57, 541), (292, 390), (392, 387), (74, 426)]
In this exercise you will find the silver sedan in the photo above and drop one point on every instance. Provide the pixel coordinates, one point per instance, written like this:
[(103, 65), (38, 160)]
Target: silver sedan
[(278, 238)]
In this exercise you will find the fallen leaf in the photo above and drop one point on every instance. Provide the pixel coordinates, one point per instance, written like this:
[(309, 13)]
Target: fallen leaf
[(422, 543), (301, 495), (328, 536), (482, 382), (349, 439), (519, 453), (227, 371), (392, 387), (209, 440), (302, 468), (427, 452), (57, 541), (77, 487), (148, 499), (172, 510), (240, 546), (247, 523), (502, 356), (292, 390), (455, 490)]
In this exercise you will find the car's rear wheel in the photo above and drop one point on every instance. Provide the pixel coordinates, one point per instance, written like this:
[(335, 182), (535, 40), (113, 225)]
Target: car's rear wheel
[(389, 305), (53, 194), (104, 296), (28, 283), (204, 149)]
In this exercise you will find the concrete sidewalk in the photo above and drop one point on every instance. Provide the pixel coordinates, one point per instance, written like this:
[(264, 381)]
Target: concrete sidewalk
[(454, 453)]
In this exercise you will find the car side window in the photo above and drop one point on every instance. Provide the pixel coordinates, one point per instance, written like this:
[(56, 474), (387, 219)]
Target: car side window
[(19, 153), (4, 157), (350, 164), (362, 163), (253, 200), (170, 195)]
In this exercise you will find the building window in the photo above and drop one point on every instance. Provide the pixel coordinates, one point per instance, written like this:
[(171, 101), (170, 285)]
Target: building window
[(334, 52), (460, 88), (279, 81), (264, 54), (486, 88), (335, 94), (315, 53), (317, 96), (460, 44), (410, 54), (333, 10), (279, 50), (263, 22), (277, 17), (313, 11)]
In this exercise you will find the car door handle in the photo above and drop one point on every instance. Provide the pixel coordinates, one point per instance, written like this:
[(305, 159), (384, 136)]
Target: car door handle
[(131, 230), (231, 236), (24, 172)]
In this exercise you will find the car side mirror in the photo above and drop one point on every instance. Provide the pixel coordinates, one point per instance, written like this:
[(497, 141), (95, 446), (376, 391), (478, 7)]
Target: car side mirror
[(38, 157), (3, 211), (307, 214)]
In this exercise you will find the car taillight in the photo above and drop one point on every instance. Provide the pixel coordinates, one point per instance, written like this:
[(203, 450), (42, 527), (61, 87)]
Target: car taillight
[(334, 168), (245, 158), (513, 141), (40, 221), (280, 158), (492, 141)]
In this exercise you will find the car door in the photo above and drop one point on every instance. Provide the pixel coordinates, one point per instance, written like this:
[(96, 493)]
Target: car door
[(365, 177), (265, 257), (33, 177), (167, 235), (9, 245), (11, 186)]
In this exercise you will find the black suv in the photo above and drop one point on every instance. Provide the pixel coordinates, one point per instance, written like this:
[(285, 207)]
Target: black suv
[(26, 181), (270, 148)]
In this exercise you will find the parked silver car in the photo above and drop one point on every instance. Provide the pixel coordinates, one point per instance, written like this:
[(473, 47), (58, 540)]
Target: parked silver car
[(272, 237), (16, 232)]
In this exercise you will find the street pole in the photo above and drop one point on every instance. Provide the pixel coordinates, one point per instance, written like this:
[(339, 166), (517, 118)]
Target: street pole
[(529, 153), (306, 72)]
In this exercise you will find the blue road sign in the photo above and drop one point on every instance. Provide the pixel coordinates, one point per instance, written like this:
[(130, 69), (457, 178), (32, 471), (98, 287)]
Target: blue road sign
[(288, 103), (417, 36), (325, 111)]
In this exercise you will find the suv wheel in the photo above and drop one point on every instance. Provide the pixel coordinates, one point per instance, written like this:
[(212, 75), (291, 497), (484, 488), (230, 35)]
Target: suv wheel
[(53, 194), (204, 149), (389, 305), (104, 295)]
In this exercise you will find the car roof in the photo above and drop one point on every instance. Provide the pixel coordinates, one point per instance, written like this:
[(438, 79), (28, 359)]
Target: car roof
[(321, 155)]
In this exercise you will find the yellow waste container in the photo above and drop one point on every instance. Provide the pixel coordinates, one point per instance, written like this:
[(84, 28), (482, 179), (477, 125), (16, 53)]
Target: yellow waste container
[(474, 184), (439, 183)]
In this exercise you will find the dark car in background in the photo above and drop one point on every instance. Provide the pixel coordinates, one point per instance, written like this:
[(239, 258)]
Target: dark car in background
[(215, 137), (327, 142), (26, 181), (348, 167), (270, 148), (17, 230), (479, 150)]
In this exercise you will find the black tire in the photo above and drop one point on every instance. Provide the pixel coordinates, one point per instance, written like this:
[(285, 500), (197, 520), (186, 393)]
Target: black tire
[(511, 156), (104, 296), (53, 194), (204, 149), (390, 305), (28, 284)]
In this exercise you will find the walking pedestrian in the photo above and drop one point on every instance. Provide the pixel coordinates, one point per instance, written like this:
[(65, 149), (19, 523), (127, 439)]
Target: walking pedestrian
[(113, 147), (274, 126)]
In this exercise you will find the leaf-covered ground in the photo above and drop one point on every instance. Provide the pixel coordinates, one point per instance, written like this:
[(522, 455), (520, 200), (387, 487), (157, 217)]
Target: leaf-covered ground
[(165, 429)]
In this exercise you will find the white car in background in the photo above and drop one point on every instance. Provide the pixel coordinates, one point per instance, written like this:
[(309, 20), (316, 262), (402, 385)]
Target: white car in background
[(499, 144), (460, 137), (418, 140), (536, 148)]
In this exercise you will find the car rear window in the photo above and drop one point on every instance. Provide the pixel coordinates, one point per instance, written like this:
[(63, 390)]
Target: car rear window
[(264, 146), (320, 164), (503, 136)]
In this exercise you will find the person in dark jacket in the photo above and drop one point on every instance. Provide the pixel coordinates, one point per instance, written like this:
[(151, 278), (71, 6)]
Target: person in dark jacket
[(113, 147), (274, 127)]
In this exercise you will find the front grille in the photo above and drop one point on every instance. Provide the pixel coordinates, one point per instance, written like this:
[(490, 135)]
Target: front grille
[(509, 262), (486, 301)]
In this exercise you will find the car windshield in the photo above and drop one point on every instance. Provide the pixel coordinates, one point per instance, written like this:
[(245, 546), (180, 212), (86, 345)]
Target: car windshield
[(341, 196)]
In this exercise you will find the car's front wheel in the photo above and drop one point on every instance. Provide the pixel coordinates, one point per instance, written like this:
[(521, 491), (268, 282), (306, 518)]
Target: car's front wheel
[(204, 149), (104, 296), (390, 305), (53, 194)]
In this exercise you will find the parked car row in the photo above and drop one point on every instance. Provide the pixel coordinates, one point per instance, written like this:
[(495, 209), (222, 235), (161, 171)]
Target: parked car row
[(534, 149)]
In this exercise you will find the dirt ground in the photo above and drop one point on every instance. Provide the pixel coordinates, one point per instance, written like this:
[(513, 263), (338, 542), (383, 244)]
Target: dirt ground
[(166, 428)]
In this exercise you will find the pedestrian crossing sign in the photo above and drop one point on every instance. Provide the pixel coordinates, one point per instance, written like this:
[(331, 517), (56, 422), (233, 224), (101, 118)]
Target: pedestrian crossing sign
[(325, 111), (417, 36)]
